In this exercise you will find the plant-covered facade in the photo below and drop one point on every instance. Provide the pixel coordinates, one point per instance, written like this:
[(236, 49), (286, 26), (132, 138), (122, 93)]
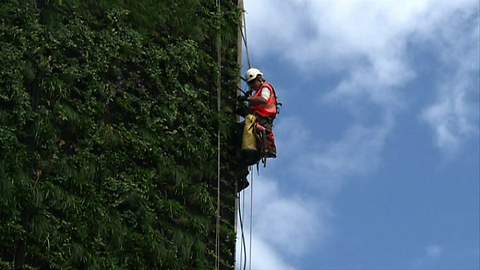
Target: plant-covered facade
[(108, 133)]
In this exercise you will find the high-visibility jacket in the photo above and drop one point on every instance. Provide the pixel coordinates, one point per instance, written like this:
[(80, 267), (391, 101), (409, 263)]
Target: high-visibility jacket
[(270, 108)]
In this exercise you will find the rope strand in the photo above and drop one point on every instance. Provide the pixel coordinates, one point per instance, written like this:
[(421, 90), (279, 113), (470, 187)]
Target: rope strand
[(251, 218), (219, 63), (242, 212), (243, 247), (244, 36)]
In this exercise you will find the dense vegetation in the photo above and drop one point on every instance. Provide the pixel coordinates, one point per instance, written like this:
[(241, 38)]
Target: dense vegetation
[(108, 132)]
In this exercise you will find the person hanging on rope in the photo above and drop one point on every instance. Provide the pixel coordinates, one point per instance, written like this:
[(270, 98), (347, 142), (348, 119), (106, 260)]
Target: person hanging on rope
[(263, 105)]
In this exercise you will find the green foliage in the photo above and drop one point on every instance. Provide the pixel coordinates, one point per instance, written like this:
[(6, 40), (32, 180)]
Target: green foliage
[(108, 126)]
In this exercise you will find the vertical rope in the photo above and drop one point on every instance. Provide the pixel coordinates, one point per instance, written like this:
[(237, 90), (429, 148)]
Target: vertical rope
[(251, 218), (237, 196), (243, 233), (219, 74), (245, 38), (245, 41)]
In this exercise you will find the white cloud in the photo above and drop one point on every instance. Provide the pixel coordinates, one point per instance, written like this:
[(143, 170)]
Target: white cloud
[(292, 135), (356, 153), (324, 166), (289, 222), (265, 257), (454, 115), (284, 225), (432, 253)]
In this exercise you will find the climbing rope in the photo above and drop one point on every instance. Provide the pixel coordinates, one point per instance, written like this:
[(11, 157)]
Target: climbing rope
[(219, 62), (242, 212), (244, 37), (243, 248), (251, 219)]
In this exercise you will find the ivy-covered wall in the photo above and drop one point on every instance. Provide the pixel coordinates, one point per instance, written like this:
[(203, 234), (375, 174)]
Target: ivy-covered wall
[(108, 133)]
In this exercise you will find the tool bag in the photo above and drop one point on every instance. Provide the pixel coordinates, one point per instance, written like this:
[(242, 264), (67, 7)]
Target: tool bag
[(250, 151)]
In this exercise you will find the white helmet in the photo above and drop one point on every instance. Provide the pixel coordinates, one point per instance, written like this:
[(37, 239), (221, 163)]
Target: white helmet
[(252, 74)]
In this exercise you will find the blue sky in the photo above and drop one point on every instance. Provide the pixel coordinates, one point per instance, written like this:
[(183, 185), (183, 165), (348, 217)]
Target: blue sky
[(378, 138)]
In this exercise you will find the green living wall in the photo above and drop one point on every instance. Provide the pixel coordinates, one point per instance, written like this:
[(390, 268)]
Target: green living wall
[(108, 133)]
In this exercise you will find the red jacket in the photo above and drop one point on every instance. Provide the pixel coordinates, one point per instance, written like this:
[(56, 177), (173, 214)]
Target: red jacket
[(269, 109)]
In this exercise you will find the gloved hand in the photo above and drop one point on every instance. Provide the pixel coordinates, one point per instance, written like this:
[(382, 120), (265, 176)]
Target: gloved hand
[(242, 98)]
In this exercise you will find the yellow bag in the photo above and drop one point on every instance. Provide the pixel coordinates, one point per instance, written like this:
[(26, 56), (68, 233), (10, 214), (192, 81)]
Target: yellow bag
[(250, 151), (249, 137)]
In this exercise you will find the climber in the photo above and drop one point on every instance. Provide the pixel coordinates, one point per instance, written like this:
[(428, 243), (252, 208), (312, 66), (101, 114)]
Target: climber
[(263, 106)]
